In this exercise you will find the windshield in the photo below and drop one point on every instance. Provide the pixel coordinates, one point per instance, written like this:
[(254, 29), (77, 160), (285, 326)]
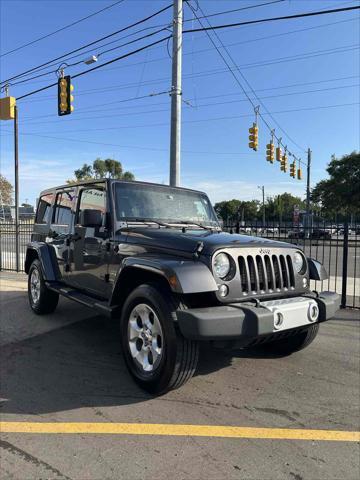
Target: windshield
[(146, 202)]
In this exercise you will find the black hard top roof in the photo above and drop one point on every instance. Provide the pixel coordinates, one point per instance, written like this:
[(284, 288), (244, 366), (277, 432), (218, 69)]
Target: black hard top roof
[(111, 180)]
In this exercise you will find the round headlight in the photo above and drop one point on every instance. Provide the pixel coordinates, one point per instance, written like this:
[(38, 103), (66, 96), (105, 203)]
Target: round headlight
[(221, 265), (299, 262)]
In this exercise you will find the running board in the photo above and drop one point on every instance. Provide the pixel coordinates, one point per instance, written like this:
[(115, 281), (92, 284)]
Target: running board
[(80, 297)]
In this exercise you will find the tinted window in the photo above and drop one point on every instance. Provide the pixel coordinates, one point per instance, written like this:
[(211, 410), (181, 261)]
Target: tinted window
[(44, 208), (63, 208), (94, 199)]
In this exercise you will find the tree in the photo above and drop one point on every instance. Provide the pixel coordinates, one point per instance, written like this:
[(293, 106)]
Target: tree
[(6, 190), (236, 210), (281, 207), (108, 168), (340, 193)]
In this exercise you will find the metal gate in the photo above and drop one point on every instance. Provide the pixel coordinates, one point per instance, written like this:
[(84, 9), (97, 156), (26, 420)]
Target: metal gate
[(337, 247)]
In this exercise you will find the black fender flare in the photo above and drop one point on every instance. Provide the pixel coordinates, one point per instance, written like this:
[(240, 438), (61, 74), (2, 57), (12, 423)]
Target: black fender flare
[(182, 276), (47, 258)]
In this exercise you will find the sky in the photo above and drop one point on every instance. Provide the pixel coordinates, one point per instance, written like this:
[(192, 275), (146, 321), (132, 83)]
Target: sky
[(305, 72)]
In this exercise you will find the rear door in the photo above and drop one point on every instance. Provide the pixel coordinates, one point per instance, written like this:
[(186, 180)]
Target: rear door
[(89, 246), (61, 227)]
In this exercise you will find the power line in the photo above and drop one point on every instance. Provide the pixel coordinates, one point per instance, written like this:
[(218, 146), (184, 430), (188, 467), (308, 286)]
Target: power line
[(235, 76), (58, 121), (85, 72), (62, 28), (125, 100), (98, 55), (211, 119), (137, 23), (132, 25), (266, 62), (210, 72), (273, 19), (158, 12), (185, 121)]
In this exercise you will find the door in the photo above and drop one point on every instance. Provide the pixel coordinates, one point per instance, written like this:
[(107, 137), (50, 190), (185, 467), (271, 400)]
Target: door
[(89, 245), (61, 227)]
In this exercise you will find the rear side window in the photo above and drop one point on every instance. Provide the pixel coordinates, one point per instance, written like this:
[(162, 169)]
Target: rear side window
[(63, 211), (44, 208)]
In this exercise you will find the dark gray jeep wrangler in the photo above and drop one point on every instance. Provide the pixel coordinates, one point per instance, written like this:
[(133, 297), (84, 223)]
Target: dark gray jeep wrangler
[(155, 258)]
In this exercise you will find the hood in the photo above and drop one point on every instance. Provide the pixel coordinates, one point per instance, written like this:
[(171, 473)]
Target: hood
[(175, 240)]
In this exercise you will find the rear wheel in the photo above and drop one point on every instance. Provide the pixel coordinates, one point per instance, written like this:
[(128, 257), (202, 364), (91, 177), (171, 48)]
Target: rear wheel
[(295, 343), (41, 299), (158, 357)]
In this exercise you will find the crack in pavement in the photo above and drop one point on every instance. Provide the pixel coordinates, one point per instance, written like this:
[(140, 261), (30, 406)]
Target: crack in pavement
[(30, 458)]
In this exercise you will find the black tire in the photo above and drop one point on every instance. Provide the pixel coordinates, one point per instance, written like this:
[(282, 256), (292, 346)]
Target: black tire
[(47, 300), (295, 343), (179, 356)]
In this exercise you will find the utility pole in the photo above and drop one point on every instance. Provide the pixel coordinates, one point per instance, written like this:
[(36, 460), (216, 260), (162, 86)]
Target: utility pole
[(308, 169), (175, 133), (16, 163), (262, 188)]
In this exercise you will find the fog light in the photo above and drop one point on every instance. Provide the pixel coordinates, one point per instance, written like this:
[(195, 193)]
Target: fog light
[(313, 312), (304, 282), (278, 320), (223, 290)]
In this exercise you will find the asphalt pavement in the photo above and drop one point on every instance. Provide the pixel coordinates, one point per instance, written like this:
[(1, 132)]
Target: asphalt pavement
[(69, 409)]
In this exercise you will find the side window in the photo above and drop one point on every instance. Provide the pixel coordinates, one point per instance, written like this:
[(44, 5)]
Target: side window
[(44, 208), (92, 198), (63, 211)]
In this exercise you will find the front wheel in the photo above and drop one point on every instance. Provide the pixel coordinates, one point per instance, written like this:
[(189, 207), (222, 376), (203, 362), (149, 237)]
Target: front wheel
[(158, 357), (295, 343), (41, 299)]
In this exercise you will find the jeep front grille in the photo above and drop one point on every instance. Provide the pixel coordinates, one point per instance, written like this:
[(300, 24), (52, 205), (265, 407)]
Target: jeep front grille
[(266, 273)]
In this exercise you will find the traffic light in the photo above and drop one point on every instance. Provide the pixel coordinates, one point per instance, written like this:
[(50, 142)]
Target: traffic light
[(254, 137), (270, 152), (278, 154), (7, 108), (299, 174), (283, 166), (65, 97), (292, 169)]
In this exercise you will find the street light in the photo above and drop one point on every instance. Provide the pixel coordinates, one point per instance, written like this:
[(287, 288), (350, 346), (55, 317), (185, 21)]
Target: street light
[(262, 188)]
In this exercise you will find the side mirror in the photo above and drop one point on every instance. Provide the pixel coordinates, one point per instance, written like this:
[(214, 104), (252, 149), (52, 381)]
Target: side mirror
[(91, 218)]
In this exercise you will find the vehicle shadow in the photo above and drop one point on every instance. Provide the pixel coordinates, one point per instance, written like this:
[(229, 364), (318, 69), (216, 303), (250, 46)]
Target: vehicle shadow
[(79, 365)]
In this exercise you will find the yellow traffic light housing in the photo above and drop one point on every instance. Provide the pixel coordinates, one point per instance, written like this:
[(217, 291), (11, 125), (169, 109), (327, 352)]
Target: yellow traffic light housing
[(254, 137), (293, 169), (7, 108), (65, 98), (284, 165), (270, 152), (278, 154), (299, 174)]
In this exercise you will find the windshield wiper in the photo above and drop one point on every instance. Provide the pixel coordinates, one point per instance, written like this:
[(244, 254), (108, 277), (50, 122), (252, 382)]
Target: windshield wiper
[(147, 221), (205, 227)]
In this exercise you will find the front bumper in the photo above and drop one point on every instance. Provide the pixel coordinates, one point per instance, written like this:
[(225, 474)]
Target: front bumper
[(246, 321)]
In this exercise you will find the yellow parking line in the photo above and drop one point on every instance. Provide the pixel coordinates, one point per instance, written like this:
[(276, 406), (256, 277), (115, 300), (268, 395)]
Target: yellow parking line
[(179, 430)]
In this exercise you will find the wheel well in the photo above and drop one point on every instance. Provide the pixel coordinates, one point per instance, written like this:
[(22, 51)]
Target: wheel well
[(31, 255), (133, 278)]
